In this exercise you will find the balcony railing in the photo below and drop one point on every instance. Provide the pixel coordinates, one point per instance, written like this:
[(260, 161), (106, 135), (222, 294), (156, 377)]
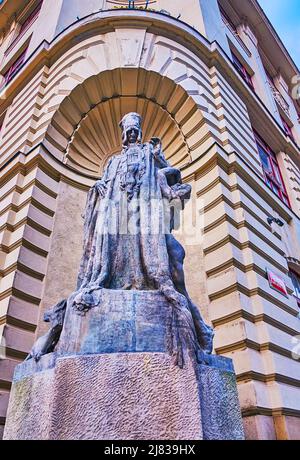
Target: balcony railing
[(279, 98)]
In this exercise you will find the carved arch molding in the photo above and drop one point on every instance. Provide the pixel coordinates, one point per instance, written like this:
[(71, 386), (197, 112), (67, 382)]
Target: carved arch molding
[(84, 130)]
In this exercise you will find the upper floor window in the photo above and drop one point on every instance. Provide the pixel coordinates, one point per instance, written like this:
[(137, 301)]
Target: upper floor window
[(30, 18), (233, 29), (296, 285), (242, 70), (287, 129), (2, 116), (270, 79), (227, 21), (14, 69), (25, 25), (272, 174)]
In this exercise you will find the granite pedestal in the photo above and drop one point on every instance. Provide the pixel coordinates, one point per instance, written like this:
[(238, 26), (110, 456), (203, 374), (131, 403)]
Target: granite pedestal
[(113, 378)]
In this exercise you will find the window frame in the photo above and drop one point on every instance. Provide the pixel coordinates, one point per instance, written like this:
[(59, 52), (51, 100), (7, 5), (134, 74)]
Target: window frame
[(14, 68), (242, 71), (25, 25), (296, 293), (2, 120), (2, 116), (270, 78), (227, 20), (287, 129), (273, 178)]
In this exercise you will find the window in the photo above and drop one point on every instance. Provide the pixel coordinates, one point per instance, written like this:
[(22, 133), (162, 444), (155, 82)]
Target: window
[(14, 69), (270, 79), (296, 285), (233, 29), (2, 116), (287, 129), (242, 70), (25, 25), (271, 170), (227, 21)]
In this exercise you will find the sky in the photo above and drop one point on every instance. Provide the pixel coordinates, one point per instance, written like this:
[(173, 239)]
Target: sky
[(285, 17)]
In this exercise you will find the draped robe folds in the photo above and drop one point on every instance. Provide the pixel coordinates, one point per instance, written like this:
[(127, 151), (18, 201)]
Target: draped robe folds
[(125, 246)]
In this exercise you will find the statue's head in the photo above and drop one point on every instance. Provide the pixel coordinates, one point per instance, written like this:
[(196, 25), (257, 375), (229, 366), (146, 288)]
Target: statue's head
[(131, 128)]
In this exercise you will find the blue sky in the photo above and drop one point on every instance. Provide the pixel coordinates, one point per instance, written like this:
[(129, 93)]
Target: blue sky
[(285, 17)]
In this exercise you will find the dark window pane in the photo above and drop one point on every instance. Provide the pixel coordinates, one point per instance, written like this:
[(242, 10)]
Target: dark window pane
[(265, 159), (296, 284)]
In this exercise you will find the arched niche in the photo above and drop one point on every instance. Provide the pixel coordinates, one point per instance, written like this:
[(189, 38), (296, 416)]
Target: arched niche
[(84, 130)]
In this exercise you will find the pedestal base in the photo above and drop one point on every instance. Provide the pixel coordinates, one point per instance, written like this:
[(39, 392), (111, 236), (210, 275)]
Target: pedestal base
[(122, 396), (109, 396)]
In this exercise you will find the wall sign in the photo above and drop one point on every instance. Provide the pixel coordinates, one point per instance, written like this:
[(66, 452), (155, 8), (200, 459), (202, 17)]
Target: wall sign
[(277, 283)]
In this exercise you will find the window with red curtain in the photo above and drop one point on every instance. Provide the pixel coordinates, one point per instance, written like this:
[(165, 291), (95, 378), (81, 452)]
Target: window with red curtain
[(242, 70), (273, 177), (287, 129), (14, 69), (26, 24)]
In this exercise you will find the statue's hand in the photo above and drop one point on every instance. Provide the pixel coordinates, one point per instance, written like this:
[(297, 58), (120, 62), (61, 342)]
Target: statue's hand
[(182, 191), (101, 188), (157, 145)]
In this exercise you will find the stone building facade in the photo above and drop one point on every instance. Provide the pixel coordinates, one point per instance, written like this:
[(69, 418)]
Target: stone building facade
[(214, 81)]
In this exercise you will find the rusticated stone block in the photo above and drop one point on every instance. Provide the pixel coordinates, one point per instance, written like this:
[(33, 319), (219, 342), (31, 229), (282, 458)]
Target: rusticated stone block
[(107, 396)]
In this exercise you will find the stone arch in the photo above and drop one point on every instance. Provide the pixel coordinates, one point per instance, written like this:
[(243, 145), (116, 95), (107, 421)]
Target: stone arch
[(84, 129)]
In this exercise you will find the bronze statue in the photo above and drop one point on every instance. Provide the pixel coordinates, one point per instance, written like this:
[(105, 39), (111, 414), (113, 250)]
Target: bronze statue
[(128, 241)]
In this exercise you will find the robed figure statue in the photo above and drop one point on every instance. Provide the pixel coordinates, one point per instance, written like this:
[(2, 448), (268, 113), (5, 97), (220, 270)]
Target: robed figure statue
[(128, 242)]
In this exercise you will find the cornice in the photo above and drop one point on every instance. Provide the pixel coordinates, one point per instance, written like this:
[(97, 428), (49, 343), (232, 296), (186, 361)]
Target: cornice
[(275, 35)]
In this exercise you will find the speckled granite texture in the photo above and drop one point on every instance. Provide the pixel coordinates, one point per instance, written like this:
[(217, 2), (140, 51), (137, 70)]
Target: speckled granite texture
[(109, 396), (123, 396), (221, 414)]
